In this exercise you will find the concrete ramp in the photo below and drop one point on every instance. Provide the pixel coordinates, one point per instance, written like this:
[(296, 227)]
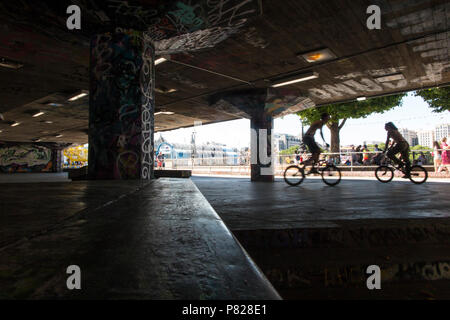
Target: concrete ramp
[(163, 241)]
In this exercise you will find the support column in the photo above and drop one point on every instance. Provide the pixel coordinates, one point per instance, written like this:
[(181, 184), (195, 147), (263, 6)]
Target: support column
[(121, 106), (261, 147), (57, 158)]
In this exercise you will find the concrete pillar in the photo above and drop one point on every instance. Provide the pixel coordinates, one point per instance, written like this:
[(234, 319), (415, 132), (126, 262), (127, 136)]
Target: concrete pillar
[(121, 106), (262, 164), (57, 158)]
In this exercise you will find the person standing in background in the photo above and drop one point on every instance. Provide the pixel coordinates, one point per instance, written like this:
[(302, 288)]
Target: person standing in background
[(445, 154), (437, 158), (366, 161)]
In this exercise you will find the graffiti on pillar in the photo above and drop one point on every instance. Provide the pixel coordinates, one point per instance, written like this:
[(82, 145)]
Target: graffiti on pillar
[(261, 105), (147, 108), (121, 112), (25, 158)]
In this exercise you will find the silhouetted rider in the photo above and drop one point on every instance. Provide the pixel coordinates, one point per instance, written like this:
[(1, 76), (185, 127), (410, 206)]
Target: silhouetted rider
[(308, 138), (400, 145)]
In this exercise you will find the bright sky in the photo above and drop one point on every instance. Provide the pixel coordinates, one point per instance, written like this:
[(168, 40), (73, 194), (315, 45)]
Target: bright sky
[(414, 114)]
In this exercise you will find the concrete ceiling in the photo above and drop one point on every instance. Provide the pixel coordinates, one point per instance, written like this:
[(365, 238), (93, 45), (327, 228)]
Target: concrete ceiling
[(215, 47)]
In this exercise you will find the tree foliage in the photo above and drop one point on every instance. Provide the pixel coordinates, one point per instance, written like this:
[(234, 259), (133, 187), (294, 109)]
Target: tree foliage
[(437, 98), (355, 110), (289, 151), (343, 111)]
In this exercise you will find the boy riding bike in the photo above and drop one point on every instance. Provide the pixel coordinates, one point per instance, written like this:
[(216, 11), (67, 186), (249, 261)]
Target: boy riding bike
[(400, 145)]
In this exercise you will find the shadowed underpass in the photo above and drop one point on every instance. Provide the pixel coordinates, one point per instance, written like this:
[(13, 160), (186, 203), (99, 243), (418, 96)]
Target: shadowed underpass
[(314, 241)]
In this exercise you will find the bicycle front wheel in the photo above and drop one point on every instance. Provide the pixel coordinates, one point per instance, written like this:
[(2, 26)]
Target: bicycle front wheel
[(294, 175), (418, 174), (384, 174), (331, 175)]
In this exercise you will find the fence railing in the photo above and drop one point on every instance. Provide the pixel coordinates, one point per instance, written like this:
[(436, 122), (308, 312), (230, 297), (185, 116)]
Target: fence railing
[(350, 159)]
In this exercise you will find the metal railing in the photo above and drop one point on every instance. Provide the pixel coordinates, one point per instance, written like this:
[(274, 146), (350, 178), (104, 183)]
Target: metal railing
[(345, 159)]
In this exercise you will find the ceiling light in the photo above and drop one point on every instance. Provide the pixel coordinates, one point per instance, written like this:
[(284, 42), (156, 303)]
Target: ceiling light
[(164, 112), (40, 113), (48, 122), (391, 77), (318, 55), (36, 140), (78, 96), (54, 104), (164, 90), (361, 98), (15, 124), (295, 79), (58, 135), (10, 64), (1, 131), (160, 60)]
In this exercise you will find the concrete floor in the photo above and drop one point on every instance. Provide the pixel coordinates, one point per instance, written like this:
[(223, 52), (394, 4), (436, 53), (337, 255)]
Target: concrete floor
[(245, 205), (132, 241), (165, 241), (315, 241), (29, 209)]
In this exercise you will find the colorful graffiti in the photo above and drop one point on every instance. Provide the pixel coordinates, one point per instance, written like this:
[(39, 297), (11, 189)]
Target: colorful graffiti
[(76, 156), (196, 27), (25, 158), (121, 121)]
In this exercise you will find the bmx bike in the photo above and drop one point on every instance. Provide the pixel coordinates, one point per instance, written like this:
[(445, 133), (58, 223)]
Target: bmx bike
[(295, 174), (385, 172)]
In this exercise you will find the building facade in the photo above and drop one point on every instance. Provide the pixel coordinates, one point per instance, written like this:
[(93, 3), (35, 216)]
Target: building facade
[(426, 138), (442, 131), (285, 141), (410, 136)]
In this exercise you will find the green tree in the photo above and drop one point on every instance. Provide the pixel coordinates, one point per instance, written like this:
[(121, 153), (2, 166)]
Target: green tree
[(342, 111), (289, 151), (437, 98)]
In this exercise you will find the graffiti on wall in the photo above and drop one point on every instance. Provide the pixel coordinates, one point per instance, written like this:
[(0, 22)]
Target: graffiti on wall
[(76, 156), (201, 26), (25, 158), (284, 101), (122, 103), (298, 277), (364, 82), (433, 50)]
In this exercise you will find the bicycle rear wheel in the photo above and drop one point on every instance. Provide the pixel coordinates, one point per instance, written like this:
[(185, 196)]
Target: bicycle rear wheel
[(418, 174), (294, 175), (331, 175), (384, 174)]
